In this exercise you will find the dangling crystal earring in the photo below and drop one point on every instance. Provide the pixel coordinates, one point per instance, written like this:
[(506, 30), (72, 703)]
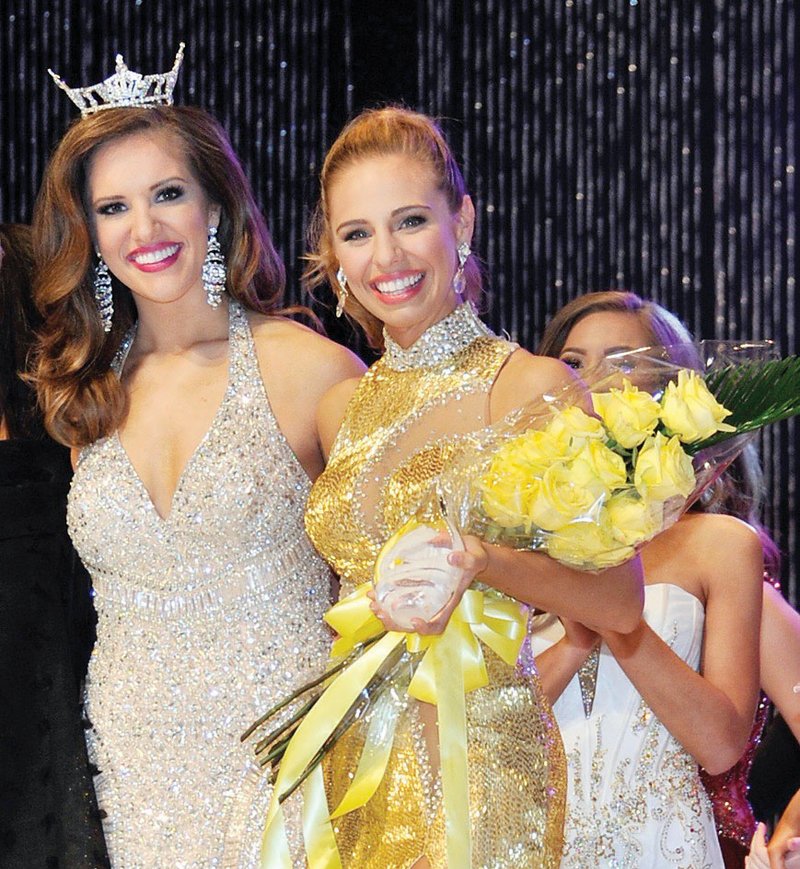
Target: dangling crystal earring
[(341, 296), (213, 272), (103, 293), (463, 251)]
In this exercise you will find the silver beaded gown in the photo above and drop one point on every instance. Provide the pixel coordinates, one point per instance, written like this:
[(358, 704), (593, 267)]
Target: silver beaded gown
[(206, 618)]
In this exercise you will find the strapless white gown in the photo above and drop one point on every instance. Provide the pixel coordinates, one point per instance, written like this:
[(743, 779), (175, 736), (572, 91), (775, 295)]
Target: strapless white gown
[(634, 796)]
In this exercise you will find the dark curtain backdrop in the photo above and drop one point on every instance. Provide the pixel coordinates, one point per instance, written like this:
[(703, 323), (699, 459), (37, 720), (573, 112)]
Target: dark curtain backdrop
[(627, 143)]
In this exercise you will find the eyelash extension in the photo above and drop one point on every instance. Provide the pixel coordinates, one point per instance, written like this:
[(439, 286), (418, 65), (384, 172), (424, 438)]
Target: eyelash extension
[(108, 208), (175, 191)]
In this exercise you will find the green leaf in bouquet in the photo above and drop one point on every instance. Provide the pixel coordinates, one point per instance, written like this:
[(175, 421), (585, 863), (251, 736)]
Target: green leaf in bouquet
[(757, 393), (331, 671)]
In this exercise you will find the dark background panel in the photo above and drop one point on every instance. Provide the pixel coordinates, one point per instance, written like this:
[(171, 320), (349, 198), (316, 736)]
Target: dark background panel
[(615, 144)]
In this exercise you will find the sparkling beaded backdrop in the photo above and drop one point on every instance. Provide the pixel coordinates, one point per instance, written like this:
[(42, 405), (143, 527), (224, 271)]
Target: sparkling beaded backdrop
[(623, 143)]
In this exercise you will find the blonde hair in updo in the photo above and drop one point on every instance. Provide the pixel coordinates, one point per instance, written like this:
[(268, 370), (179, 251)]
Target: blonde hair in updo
[(377, 133)]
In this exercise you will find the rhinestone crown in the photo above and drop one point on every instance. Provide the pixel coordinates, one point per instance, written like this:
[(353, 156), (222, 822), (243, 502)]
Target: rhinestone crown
[(124, 88)]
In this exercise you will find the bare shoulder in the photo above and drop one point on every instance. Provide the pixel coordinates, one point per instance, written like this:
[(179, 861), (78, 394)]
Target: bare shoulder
[(526, 377), (710, 554), (298, 367), (720, 530), (300, 352), (724, 547)]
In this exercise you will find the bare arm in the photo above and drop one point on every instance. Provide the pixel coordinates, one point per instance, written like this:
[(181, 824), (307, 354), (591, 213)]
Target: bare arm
[(330, 412), (558, 664), (711, 712), (299, 367), (780, 656), (611, 599), (526, 377), (786, 838)]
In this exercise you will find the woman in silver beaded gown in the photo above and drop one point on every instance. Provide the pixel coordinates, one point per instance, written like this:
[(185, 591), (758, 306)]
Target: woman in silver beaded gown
[(194, 418)]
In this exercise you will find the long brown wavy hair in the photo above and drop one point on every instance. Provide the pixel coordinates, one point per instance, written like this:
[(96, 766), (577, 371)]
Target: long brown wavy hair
[(377, 133), (80, 395), (739, 490)]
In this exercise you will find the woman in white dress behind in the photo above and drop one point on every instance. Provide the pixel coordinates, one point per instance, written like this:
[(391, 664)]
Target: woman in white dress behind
[(639, 712)]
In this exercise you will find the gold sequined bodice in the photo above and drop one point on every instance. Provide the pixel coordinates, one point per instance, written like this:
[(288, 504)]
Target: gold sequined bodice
[(410, 417), (372, 484)]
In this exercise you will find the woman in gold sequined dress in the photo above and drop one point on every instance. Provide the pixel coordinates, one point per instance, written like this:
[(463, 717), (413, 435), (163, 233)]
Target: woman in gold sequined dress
[(392, 235)]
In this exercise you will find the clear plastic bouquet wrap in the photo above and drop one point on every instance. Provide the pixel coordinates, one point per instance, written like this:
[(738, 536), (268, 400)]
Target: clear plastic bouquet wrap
[(586, 480)]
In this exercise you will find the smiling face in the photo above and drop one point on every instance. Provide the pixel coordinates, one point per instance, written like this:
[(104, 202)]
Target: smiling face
[(150, 216), (597, 335), (395, 237)]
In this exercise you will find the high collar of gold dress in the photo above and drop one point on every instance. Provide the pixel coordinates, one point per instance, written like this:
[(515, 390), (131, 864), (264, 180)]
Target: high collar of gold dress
[(439, 342)]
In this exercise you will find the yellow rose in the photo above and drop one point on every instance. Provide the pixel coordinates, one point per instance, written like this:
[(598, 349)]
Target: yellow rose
[(629, 414), (557, 499), (573, 427), (597, 465), (634, 520), (530, 454), (588, 546), (503, 499), (663, 470), (689, 410), (512, 479)]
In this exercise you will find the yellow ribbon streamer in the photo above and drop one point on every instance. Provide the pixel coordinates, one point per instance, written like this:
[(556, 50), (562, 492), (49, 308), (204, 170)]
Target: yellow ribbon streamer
[(453, 749), (313, 731), (274, 844), (374, 758), (317, 831)]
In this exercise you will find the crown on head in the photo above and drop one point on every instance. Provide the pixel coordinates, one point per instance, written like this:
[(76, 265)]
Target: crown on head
[(124, 88)]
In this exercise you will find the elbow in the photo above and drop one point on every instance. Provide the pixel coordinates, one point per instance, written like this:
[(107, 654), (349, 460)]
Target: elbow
[(624, 617), (623, 601), (720, 762), (724, 752), (629, 619)]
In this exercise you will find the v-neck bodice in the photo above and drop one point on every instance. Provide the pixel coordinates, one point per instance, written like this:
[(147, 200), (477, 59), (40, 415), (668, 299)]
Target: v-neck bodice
[(205, 619), (243, 369), (216, 516)]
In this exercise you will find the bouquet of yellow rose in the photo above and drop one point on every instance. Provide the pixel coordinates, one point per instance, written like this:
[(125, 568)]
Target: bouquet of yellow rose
[(590, 489)]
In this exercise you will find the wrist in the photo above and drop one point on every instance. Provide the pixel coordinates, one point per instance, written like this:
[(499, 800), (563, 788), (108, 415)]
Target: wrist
[(624, 643), (577, 652)]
